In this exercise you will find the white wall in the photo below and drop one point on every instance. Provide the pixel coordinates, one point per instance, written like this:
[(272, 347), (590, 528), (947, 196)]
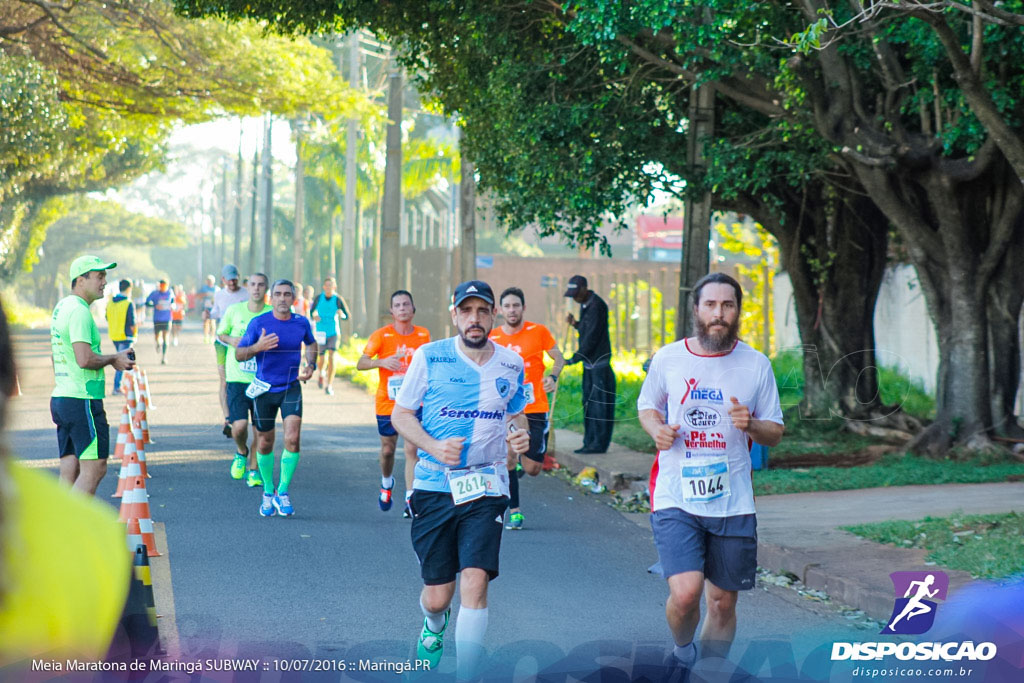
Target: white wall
[(904, 332)]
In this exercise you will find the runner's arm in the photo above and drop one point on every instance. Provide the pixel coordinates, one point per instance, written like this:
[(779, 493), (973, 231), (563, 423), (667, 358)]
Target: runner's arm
[(365, 363), (765, 432), (406, 424), (556, 369), (653, 422), (87, 359), (228, 340), (518, 441)]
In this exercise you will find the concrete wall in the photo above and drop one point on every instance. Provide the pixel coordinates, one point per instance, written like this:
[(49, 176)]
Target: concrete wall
[(904, 332)]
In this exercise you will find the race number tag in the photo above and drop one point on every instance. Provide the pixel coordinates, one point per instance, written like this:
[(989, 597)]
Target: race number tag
[(320, 337), (707, 481), (394, 384), (468, 485), (256, 388), (528, 390), (248, 366)]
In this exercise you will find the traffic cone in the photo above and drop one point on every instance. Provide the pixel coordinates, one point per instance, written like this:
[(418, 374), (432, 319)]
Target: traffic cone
[(124, 431), (139, 516), (129, 468), (139, 617), (140, 446), (146, 392), (128, 501), (129, 380)]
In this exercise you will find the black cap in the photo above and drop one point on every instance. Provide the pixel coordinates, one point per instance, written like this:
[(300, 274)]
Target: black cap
[(576, 283), (471, 288)]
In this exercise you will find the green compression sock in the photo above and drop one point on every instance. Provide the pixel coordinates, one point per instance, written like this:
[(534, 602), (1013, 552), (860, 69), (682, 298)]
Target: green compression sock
[(266, 465), (289, 461)]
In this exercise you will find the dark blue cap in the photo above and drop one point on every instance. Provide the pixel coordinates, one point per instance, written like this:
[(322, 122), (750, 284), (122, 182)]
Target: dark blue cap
[(471, 288)]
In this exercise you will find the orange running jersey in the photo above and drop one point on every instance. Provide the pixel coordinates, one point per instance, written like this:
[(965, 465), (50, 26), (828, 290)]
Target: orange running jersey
[(384, 343), (180, 305), (530, 342)]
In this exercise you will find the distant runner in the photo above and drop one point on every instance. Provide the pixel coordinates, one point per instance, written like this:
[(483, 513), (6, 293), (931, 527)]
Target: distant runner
[(325, 311), (274, 339), (240, 375), (531, 341), (160, 301), (390, 350), (204, 298), (121, 326), (178, 309), (232, 293)]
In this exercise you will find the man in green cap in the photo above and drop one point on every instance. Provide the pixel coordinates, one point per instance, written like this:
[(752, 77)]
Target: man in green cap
[(76, 405)]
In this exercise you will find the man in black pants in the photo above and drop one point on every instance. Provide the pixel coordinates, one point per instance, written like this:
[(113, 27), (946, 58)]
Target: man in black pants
[(595, 352)]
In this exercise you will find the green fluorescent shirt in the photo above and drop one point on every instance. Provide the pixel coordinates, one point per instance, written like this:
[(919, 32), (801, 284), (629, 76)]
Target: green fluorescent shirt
[(72, 322), (236, 319)]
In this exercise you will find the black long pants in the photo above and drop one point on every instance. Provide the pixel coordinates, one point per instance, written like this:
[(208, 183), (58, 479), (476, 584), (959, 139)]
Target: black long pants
[(598, 408)]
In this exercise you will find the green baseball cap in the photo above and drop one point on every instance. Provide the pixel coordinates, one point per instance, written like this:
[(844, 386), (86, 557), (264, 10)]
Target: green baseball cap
[(87, 263)]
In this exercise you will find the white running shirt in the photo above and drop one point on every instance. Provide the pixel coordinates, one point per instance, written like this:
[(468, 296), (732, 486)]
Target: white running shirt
[(694, 391)]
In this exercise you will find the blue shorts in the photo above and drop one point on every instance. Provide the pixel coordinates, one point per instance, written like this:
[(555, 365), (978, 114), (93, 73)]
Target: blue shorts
[(385, 428), (240, 406), (723, 548), (82, 429)]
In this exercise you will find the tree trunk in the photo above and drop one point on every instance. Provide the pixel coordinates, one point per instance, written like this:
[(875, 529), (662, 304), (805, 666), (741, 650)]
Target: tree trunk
[(834, 247), (964, 236)]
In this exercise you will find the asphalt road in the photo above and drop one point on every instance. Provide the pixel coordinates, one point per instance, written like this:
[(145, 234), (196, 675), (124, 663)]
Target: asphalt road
[(339, 580)]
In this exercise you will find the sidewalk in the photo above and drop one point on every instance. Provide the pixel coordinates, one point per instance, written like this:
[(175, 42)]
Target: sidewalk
[(798, 533)]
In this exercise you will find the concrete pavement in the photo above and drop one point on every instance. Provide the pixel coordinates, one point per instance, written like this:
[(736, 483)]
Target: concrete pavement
[(799, 533)]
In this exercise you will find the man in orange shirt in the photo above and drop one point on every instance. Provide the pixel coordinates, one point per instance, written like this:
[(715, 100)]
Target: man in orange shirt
[(390, 350), (531, 341), (178, 307)]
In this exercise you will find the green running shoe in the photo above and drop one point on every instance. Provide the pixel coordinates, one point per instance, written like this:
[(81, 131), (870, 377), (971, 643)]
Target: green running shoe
[(253, 479), (515, 521), (431, 645), (238, 467)]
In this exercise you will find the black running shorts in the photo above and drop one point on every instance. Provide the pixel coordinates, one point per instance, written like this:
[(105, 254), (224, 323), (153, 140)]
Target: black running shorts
[(449, 538)]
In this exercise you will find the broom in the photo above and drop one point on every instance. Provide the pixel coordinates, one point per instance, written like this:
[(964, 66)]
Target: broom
[(550, 451)]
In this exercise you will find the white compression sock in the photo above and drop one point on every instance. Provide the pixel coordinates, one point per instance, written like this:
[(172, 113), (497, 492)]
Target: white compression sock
[(387, 482), (686, 654), (435, 620), (469, 641)]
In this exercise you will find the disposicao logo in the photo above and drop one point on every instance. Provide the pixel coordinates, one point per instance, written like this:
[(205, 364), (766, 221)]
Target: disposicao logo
[(913, 613)]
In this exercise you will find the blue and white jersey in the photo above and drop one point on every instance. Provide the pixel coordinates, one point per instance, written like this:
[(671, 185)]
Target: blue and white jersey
[(461, 398)]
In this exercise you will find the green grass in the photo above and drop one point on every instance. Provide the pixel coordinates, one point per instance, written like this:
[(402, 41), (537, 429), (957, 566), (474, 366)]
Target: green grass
[(892, 470), (987, 546), (345, 365), (21, 315)]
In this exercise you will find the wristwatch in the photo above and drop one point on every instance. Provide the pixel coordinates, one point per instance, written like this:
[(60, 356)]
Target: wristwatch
[(553, 376)]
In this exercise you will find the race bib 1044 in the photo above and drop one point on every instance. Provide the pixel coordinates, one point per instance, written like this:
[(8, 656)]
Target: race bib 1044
[(471, 484), (706, 481)]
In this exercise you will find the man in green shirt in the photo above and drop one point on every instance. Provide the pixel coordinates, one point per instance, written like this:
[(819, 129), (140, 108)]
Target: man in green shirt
[(76, 405), (239, 375)]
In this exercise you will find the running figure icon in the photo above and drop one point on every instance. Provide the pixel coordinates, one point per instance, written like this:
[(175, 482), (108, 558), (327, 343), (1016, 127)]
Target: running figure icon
[(915, 606)]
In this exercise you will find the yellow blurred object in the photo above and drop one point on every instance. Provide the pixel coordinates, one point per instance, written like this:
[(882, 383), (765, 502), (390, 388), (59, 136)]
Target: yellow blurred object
[(66, 571), (587, 477)]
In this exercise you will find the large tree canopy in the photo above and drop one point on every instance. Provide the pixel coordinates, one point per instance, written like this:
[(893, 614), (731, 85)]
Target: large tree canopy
[(89, 91), (908, 114)]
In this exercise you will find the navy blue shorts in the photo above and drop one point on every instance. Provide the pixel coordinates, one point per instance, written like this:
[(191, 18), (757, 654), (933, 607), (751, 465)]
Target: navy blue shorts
[(538, 424), (289, 402), (385, 428), (240, 406), (448, 539), (82, 429), (723, 548)]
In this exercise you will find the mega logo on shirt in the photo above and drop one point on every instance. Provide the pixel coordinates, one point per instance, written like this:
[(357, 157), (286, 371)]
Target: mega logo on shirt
[(701, 417), (711, 394)]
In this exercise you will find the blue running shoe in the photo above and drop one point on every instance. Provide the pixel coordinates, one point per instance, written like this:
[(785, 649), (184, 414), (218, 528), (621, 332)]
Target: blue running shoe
[(385, 497), (283, 505), (267, 507)]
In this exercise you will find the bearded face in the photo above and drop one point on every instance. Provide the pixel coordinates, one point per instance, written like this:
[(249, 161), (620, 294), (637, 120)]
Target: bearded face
[(716, 319)]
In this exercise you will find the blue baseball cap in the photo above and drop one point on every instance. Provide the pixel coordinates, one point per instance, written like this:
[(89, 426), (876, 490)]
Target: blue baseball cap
[(471, 288)]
